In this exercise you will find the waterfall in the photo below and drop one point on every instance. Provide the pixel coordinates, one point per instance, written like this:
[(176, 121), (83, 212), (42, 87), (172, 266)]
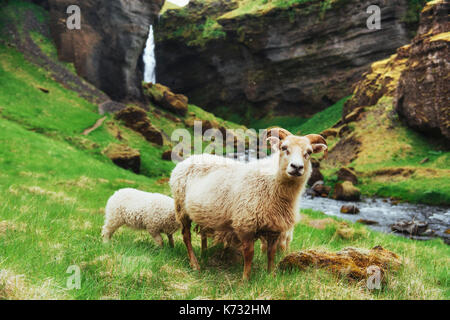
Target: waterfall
[(149, 58)]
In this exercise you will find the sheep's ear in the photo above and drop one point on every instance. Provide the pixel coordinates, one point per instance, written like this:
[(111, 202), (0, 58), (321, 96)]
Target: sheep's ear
[(319, 147), (274, 143), (318, 143)]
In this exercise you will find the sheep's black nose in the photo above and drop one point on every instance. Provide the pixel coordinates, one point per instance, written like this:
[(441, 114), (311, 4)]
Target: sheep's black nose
[(297, 166)]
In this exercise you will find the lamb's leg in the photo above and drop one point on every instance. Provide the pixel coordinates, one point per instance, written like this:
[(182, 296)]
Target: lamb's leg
[(186, 229), (248, 246), (204, 243), (158, 239), (272, 243), (170, 238)]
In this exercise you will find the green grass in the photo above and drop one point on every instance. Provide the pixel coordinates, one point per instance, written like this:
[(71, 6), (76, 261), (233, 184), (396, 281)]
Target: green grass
[(54, 184), (52, 203), (316, 124), (322, 120)]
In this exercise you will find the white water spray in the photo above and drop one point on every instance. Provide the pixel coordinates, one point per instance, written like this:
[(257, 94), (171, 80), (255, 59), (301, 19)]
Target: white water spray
[(149, 58)]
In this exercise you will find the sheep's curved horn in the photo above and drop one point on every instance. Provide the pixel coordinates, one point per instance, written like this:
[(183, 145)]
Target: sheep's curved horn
[(278, 132), (318, 139)]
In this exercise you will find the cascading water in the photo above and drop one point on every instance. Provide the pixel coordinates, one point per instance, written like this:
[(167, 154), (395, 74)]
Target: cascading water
[(149, 58)]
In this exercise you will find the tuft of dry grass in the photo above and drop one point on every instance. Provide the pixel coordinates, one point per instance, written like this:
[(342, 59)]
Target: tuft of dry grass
[(16, 287)]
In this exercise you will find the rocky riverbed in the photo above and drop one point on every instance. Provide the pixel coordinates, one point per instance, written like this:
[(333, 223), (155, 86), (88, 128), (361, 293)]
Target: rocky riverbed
[(386, 213)]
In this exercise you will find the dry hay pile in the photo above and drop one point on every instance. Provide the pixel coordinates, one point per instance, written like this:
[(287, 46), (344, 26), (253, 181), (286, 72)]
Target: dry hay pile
[(350, 262)]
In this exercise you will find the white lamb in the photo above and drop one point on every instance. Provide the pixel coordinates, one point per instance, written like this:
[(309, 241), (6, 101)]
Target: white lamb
[(258, 199), (137, 209)]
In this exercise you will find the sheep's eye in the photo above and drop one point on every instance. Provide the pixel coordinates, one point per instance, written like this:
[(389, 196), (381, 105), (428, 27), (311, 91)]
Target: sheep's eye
[(284, 148)]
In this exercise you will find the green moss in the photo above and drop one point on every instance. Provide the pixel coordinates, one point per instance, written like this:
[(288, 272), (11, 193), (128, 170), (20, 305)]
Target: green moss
[(208, 31)]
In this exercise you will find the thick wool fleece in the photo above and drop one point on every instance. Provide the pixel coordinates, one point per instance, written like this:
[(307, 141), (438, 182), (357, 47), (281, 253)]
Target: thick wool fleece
[(227, 195), (137, 209)]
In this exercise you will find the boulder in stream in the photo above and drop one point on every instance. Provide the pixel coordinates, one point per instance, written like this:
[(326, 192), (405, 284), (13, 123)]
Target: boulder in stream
[(414, 228), (321, 190), (350, 209), (367, 222)]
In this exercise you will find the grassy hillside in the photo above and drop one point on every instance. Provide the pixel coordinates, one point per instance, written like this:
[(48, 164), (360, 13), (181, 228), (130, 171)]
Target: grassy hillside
[(52, 197), (319, 122), (54, 184)]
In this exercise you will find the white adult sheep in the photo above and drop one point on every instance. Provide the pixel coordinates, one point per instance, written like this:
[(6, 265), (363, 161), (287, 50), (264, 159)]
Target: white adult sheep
[(252, 200), (137, 209)]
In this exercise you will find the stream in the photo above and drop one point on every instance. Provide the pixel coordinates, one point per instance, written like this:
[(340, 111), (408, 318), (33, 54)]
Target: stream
[(385, 214)]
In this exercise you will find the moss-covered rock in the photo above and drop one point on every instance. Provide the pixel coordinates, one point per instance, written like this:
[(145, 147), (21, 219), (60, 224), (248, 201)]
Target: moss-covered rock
[(166, 99), (350, 262), (346, 191), (137, 119), (124, 156)]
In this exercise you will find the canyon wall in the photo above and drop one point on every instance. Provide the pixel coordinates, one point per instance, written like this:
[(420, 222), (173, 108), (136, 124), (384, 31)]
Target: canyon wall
[(293, 60), (108, 48)]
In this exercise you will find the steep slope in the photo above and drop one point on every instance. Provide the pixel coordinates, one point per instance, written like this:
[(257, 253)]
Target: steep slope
[(255, 58), (46, 96)]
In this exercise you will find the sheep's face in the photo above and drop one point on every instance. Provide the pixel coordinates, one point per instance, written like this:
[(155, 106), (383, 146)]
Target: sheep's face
[(294, 154)]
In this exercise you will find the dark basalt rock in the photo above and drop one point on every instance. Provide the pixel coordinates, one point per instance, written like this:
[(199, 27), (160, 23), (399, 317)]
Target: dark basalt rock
[(108, 48), (416, 77), (295, 60), (423, 95), (316, 175)]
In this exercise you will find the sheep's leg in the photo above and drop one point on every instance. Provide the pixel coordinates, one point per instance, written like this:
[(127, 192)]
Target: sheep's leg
[(109, 228), (272, 243), (263, 244), (170, 238), (248, 246), (158, 239), (204, 243), (187, 241), (283, 241)]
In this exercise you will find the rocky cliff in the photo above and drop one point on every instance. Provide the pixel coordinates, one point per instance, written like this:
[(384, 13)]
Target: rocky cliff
[(416, 77), (107, 49), (273, 58), (423, 95)]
